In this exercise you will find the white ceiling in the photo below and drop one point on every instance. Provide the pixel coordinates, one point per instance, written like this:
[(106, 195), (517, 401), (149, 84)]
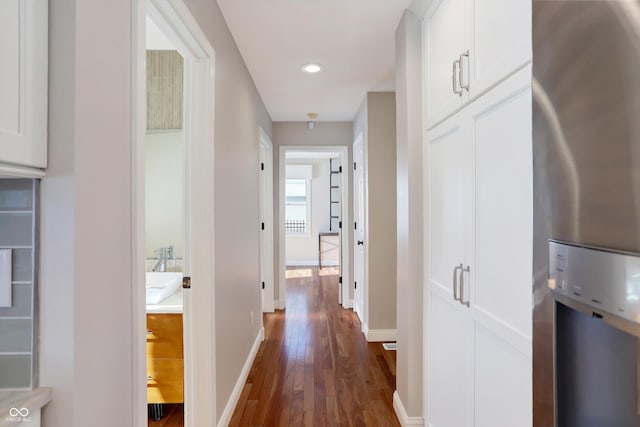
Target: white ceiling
[(352, 39)]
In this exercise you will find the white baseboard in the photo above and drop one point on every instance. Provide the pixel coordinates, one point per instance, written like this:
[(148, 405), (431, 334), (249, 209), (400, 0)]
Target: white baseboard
[(378, 335), (405, 420), (347, 304), (242, 379), (277, 305)]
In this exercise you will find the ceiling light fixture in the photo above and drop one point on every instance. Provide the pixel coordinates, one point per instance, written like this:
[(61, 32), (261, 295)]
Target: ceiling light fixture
[(312, 68)]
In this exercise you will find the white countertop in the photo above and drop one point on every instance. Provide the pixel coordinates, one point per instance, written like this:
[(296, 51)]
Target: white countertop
[(32, 400), (172, 304)]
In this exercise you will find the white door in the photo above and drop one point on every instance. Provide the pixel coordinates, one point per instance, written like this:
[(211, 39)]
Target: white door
[(23, 82), (502, 269), (359, 227), (500, 41), (266, 223), (444, 33)]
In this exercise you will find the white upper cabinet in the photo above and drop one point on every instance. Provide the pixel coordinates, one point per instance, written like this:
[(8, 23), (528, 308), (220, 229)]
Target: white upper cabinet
[(471, 46), (23, 83), (499, 43), (444, 41)]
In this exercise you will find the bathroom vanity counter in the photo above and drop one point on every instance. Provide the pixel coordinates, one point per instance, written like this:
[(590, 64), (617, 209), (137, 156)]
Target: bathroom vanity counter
[(172, 304)]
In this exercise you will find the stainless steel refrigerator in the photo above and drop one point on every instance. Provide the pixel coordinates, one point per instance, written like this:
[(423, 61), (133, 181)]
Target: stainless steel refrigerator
[(586, 142)]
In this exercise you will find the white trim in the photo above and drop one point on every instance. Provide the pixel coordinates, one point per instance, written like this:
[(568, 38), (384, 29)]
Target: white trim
[(343, 151), (242, 379), (20, 171), (176, 21), (138, 128), (267, 236), (378, 335), (405, 420)]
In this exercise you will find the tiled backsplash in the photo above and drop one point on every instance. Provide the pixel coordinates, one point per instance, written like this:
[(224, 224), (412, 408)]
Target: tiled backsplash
[(18, 323)]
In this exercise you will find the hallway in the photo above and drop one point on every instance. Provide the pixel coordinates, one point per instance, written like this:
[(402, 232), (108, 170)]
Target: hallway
[(315, 366)]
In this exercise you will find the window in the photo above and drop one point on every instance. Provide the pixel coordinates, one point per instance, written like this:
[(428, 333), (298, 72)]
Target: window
[(297, 206)]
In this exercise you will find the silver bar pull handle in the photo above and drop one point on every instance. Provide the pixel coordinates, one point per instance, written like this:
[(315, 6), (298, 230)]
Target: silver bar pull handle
[(461, 71), (455, 282), (462, 271), (453, 78)]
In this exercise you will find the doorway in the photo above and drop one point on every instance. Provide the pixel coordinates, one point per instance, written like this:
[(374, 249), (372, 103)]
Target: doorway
[(174, 21), (313, 207)]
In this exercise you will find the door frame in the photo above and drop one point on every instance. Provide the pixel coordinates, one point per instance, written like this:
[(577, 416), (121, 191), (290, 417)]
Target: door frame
[(343, 150), (266, 217), (175, 20)]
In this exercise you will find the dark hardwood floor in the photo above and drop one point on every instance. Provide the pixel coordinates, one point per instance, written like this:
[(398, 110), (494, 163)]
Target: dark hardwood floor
[(315, 368), (173, 417)]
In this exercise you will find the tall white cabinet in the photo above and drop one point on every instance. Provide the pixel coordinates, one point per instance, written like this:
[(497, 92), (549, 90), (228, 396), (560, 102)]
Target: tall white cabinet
[(23, 85), (478, 213), (470, 46)]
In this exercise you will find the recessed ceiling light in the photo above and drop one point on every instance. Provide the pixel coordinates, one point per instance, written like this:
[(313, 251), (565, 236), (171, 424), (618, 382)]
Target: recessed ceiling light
[(312, 68)]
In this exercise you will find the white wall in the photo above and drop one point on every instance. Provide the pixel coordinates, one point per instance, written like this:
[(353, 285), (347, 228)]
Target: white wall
[(303, 250), (164, 181), (409, 372)]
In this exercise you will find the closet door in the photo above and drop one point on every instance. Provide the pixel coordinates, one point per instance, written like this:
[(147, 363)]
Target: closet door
[(444, 35), (448, 331), (502, 266)]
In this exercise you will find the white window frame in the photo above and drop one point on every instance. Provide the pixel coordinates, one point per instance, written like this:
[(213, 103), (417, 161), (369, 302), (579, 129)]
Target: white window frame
[(308, 225)]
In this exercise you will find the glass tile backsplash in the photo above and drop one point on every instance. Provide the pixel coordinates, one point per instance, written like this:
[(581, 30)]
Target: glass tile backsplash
[(18, 232)]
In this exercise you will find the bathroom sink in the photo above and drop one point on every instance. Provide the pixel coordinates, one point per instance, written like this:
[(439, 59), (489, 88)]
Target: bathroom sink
[(160, 286)]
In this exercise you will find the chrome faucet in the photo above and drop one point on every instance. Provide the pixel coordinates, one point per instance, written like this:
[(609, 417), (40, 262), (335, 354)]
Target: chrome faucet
[(163, 255)]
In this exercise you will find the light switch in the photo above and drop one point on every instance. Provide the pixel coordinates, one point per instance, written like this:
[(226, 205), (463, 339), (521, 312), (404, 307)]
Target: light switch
[(5, 278)]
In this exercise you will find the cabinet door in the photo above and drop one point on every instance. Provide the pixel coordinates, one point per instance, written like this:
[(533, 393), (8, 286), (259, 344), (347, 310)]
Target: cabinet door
[(23, 82), (444, 42), (501, 290), (448, 362), (447, 202), (499, 41)]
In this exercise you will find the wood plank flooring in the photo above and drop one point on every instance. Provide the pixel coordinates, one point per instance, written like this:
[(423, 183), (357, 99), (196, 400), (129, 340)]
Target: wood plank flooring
[(173, 417), (315, 368)]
